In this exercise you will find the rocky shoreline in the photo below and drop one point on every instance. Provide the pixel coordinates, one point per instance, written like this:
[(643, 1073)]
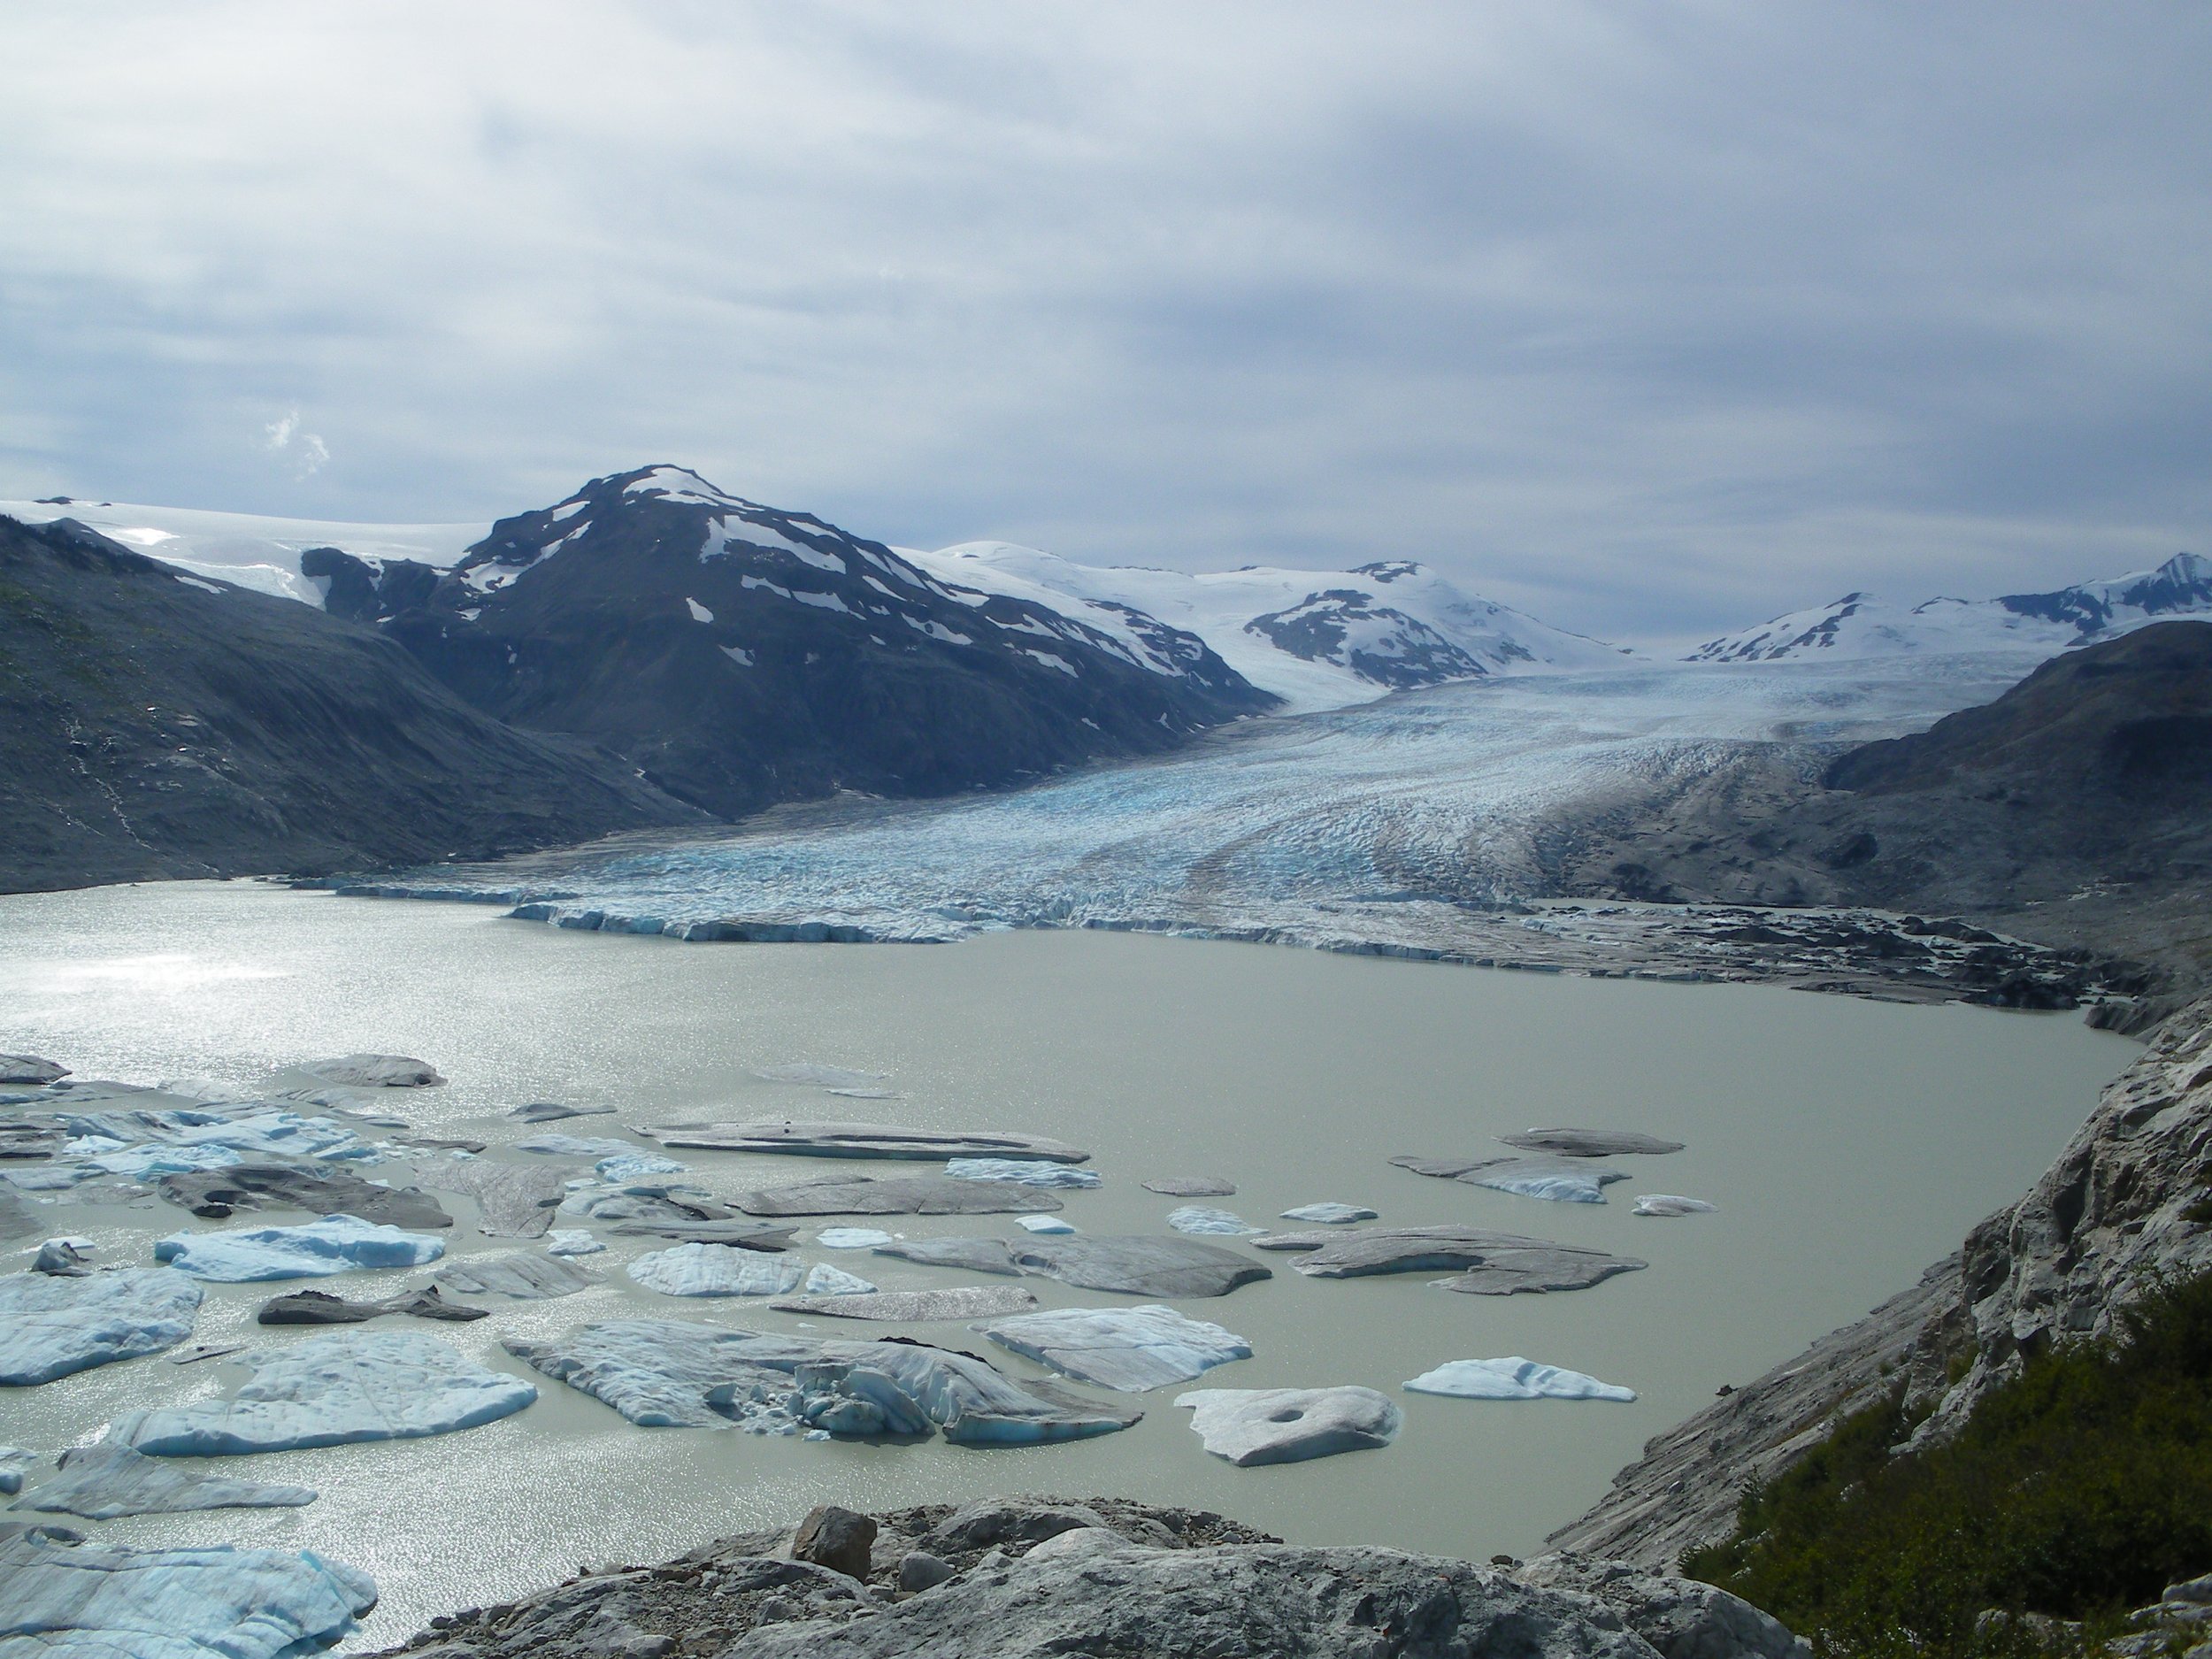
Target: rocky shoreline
[(2128, 1201), (1021, 1576)]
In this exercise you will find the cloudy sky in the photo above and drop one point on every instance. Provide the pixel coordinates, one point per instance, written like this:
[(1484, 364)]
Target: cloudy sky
[(1652, 318)]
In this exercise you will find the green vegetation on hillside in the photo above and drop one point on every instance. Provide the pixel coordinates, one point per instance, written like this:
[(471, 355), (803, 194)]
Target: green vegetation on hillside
[(2080, 1490)]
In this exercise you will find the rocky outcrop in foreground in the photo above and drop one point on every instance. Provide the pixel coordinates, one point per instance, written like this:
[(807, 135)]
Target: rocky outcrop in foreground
[(2126, 1203), (1019, 1576)]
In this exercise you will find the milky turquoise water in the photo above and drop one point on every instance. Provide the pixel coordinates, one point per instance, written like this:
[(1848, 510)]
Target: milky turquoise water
[(1848, 1144)]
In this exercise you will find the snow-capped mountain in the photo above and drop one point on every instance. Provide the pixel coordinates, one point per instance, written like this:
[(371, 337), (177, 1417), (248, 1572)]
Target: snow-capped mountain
[(1316, 639), (2034, 625), (742, 655)]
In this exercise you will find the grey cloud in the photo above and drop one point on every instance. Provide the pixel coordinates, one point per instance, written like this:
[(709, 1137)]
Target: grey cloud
[(1652, 321)]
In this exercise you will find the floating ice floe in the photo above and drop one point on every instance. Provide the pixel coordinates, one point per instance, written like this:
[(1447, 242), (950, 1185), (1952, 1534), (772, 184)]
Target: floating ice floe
[(1131, 1350), (820, 1076), (822, 1280), (572, 1242), (1131, 1266), (1513, 1377), (851, 1237), (522, 1274), (1591, 1143), (909, 1307), (636, 1166), (106, 1601), (891, 1196), (715, 1269), (1022, 1172), (517, 1199), (1331, 1215), (1289, 1426), (1191, 1186), (335, 1244), (546, 1111), (332, 1390), (1559, 1182), (1201, 1218), (29, 1071), (15, 1462), (672, 1372), (375, 1071), (1670, 1204), (1488, 1264), (785, 1137), (53, 1326), (561, 1146), (1052, 1225), (108, 1481)]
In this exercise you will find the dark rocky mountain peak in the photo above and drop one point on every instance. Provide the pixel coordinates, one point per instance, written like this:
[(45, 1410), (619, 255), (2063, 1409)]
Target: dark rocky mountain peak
[(1377, 643), (742, 655), (2182, 585)]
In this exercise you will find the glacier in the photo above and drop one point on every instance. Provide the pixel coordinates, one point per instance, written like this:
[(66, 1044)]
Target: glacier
[(1425, 825), (334, 1390)]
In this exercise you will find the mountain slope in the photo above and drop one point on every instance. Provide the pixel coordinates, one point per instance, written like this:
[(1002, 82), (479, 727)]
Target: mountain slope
[(743, 655), (2074, 810), (2037, 625), (154, 723), (1316, 639)]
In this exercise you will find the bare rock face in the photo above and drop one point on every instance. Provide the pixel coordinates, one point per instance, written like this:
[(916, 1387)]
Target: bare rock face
[(1681, 1617), (839, 1540)]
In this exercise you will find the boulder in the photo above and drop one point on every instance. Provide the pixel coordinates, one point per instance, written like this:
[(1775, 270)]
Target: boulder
[(839, 1540), (1289, 1426), (919, 1571), (1681, 1617)]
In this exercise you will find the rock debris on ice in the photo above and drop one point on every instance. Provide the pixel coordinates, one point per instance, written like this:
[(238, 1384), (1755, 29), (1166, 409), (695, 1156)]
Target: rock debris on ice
[(523, 1275)]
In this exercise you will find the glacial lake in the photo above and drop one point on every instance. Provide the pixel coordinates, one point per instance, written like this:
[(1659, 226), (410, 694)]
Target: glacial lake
[(1848, 1145)]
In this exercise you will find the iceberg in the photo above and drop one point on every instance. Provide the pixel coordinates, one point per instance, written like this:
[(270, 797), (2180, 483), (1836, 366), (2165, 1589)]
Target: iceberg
[(15, 1462), (632, 1166), (851, 1237), (1555, 1180), (1289, 1426), (1050, 1225), (1330, 1215), (107, 1602), (335, 1244), (572, 1242), (1202, 1218), (561, 1146), (1022, 1172), (108, 1481), (1670, 1204), (1513, 1377), (715, 1269), (1131, 1350), (52, 1326), (332, 1390), (824, 1281), (375, 1071), (521, 1274)]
